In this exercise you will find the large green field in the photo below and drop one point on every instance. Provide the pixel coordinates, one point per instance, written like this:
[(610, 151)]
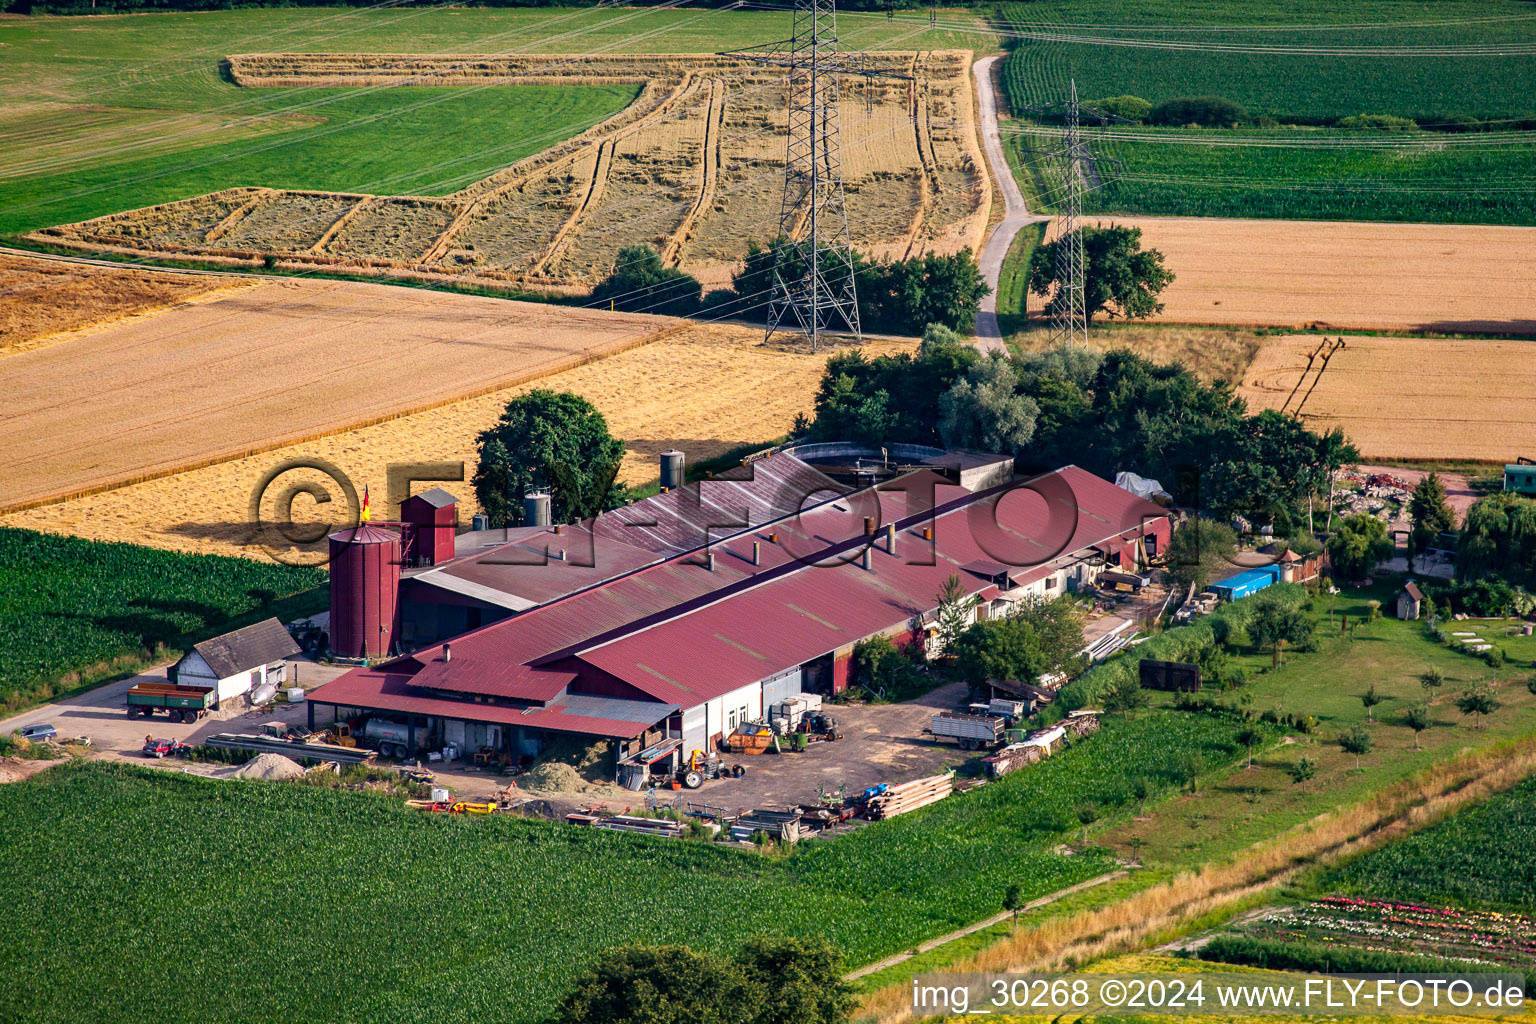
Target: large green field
[(103, 114), (1308, 60), (1481, 857), (225, 901), (72, 605), (1249, 805), (1304, 174), (1300, 65)]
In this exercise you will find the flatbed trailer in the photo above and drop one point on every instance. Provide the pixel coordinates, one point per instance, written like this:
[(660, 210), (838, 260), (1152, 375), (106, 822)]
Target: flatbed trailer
[(182, 703)]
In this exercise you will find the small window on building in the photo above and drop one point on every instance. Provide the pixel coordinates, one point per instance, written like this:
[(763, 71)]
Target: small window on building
[(1050, 583)]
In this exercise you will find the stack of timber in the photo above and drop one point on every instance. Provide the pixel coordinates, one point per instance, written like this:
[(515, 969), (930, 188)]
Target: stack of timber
[(782, 826), (664, 827), (1011, 758), (909, 796), (1082, 723)]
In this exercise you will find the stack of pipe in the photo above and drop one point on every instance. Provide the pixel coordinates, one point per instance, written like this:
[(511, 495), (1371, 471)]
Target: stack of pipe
[(909, 796), (664, 827)]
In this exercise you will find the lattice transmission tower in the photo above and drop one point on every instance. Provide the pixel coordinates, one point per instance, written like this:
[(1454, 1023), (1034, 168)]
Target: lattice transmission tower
[(1069, 321), (813, 286)]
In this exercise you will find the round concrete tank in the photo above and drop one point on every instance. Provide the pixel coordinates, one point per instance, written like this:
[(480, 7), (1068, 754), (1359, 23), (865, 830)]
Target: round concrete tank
[(365, 584), (536, 508), (672, 469)]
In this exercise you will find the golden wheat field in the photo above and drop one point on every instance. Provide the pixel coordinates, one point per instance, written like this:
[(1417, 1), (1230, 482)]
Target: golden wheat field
[(1439, 278), (694, 167), (43, 301), (1405, 398), (705, 390), (269, 365)]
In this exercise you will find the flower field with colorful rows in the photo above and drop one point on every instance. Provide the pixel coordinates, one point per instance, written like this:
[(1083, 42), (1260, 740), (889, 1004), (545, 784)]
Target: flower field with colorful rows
[(1476, 937)]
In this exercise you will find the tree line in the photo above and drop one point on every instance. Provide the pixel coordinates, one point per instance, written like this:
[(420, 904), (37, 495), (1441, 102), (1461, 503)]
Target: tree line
[(894, 296), (1104, 412)]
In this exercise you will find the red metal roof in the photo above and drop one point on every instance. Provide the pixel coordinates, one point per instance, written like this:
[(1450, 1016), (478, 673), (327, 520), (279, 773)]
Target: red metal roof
[(683, 632), (378, 689), (803, 615)]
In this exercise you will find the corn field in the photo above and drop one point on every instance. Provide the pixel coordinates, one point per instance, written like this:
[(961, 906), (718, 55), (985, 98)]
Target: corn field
[(221, 901)]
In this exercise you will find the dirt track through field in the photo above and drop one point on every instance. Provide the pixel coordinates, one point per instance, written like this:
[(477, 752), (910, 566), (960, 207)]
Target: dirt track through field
[(1423, 398), (1346, 276), (270, 365)]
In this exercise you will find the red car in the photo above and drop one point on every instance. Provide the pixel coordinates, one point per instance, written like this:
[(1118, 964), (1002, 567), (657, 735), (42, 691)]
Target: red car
[(163, 748)]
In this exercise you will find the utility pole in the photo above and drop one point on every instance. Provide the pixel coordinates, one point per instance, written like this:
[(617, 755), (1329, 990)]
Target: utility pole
[(813, 286)]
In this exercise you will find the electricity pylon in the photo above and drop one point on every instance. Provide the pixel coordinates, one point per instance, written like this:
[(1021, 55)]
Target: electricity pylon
[(813, 286), (1069, 321)]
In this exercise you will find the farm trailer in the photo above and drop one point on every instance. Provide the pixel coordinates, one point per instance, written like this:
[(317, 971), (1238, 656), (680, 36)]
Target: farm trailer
[(972, 732), (182, 703)]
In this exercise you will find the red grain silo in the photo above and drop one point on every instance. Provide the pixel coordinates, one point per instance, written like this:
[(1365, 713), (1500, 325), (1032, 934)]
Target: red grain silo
[(434, 515), (365, 579)]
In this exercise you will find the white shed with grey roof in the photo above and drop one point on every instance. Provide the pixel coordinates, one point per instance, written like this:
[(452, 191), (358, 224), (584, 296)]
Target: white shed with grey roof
[(238, 662)]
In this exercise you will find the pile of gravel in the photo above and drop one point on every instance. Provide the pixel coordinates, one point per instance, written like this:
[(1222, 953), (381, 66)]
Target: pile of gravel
[(269, 766)]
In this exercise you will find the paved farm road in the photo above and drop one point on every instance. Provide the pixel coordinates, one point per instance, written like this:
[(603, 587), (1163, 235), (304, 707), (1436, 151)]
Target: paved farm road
[(989, 337)]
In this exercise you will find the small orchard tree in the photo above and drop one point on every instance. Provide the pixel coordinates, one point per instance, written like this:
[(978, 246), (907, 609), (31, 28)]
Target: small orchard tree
[(1087, 813), (1248, 737), (1417, 718), (1477, 702), (1126, 696), (1357, 741), (1120, 278), (1302, 770), (1530, 684), (1275, 625), (1013, 898), (1136, 844), (1142, 789), (1370, 698), (1432, 679)]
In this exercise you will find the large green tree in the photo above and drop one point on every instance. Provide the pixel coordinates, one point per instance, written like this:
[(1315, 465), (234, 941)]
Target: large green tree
[(548, 439), (1498, 537), (889, 398), (1120, 278), (1360, 544), (984, 410), (1200, 551), (1005, 648), (1430, 513), (771, 981)]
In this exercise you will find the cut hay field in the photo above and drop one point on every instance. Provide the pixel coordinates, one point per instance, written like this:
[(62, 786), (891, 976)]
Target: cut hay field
[(269, 365), (109, 113), (705, 390), (43, 301), (693, 167), (1346, 276), (1406, 398)]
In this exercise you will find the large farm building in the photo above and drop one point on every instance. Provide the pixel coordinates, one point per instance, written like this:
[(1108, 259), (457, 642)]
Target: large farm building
[(683, 615)]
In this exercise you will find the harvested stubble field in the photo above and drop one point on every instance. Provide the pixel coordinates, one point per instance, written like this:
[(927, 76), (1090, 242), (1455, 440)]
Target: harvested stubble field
[(267, 366), (1439, 278), (705, 390), (692, 167), (1411, 398), (44, 301)]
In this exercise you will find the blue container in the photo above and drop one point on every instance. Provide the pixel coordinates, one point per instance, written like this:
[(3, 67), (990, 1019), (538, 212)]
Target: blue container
[(1249, 581)]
